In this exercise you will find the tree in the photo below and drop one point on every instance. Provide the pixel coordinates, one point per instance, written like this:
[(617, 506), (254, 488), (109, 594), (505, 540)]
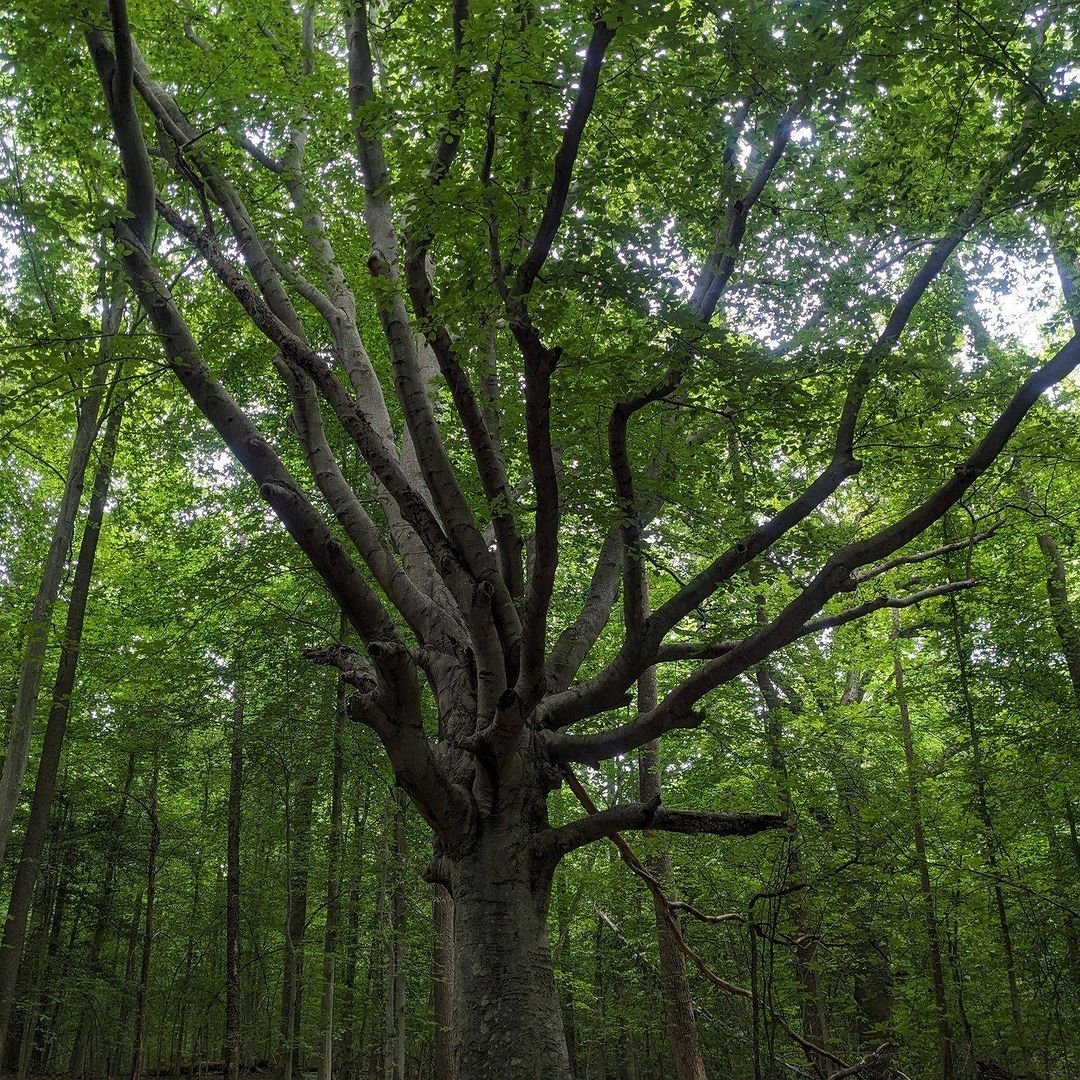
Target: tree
[(530, 232)]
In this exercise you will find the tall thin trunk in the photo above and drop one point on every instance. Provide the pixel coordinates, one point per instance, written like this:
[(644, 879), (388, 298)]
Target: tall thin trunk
[(232, 894), (982, 806), (598, 1048), (22, 889), (347, 1051), (333, 885), (804, 956), (952, 938), (394, 1044), (1057, 594), (46, 897), (37, 628), (442, 975), (138, 1042), (101, 925), (937, 973), (681, 1022), (132, 945), (376, 969), (298, 843)]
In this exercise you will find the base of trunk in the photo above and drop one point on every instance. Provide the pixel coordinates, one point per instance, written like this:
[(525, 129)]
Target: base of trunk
[(507, 1022)]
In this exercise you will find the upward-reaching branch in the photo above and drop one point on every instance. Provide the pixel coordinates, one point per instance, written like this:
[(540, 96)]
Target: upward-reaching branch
[(450, 502), (676, 710), (540, 362), (607, 689), (565, 160)]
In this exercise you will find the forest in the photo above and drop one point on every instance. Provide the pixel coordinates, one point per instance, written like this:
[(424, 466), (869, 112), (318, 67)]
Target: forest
[(539, 539)]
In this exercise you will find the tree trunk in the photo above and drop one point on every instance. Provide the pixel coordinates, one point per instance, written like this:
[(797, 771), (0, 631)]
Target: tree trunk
[(678, 1005), (97, 939), (982, 806), (804, 954), (117, 1049), (37, 628), (138, 1042), (506, 1013), (346, 1053), (937, 973), (298, 839), (22, 889), (333, 885), (232, 895), (442, 974), (394, 1034)]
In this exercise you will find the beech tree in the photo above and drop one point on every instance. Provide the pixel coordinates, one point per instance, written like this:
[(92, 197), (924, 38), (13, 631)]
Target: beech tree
[(461, 286)]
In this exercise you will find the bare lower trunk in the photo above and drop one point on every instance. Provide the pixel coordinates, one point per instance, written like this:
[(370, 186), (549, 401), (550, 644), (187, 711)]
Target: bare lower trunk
[(333, 889), (138, 1042), (45, 786), (937, 972), (506, 1012), (443, 979), (394, 1033), (232, 898)]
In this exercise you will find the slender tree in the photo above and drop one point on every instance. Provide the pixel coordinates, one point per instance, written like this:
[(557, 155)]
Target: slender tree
[(946, 1048), (232, 892)]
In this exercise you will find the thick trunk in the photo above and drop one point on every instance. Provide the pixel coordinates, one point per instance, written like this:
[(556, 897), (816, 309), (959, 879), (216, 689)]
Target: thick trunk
[(506, 1012)]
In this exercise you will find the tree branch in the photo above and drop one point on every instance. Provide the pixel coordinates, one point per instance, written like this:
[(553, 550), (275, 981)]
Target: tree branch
[(834, 577), (565, 159), (652, 816)]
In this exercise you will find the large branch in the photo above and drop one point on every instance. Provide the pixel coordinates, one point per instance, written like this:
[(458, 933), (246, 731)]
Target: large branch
[(608, 689), (402, 732), (116, 72), (338, 309), (652, 816), (720, 265), (677, 709), (276, 484), (673, 652), (438, 473), (489, 461), (384, 465), (573, 644)]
